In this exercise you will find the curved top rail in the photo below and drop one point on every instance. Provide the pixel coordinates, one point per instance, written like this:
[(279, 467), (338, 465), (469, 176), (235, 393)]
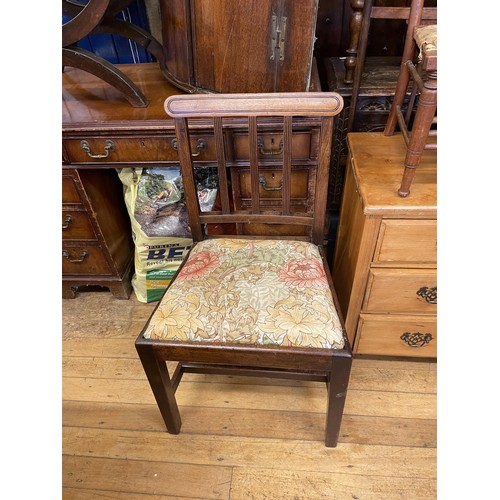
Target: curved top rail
[(268, 104)]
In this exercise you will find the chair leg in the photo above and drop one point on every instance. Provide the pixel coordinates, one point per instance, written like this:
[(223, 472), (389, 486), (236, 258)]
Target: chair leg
[(398, 99), (422, 123), (161, 385), (337, 391)]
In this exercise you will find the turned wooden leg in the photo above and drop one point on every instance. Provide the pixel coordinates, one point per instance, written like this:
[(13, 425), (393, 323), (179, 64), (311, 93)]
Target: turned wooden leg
[(422, 123), (354, 30), (337, 391), (159, 380)]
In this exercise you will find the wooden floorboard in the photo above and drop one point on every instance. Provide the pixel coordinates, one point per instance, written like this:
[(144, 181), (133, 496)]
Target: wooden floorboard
[(241, 438)]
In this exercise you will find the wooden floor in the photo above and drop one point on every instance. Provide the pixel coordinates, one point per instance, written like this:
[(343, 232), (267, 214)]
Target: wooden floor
[(241, 438)]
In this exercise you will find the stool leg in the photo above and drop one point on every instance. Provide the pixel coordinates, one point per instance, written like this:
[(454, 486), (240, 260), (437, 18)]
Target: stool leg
[(422, 123)]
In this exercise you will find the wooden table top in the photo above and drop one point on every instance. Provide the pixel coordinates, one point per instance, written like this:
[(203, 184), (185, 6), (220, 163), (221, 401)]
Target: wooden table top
[(88, 101), (378, 169)]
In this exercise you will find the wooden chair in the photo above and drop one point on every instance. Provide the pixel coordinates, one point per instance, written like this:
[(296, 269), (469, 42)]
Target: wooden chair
[(420, 64), (363, 13), (259, 301)]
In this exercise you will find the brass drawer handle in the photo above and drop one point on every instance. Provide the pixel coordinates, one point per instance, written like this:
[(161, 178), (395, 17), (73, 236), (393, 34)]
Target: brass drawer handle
[(260, 145), (67, 221), (428, 294), (263, 183), (201, 146), (416, 339), (109, 147), (83, 254)]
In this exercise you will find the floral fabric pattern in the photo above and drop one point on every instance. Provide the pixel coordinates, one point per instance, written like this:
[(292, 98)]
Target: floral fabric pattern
[(252, 292)]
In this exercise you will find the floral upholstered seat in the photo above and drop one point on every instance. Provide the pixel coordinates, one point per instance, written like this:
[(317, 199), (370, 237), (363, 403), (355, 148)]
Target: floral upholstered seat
[(266, 292)]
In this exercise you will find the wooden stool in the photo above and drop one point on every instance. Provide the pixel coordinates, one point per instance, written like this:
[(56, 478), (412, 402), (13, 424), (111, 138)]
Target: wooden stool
[(424, 76)]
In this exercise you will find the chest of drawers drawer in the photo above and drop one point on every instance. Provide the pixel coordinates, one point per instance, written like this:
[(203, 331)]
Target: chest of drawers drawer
[(406, 242), (401, 291), (136, 149), (410, 335)]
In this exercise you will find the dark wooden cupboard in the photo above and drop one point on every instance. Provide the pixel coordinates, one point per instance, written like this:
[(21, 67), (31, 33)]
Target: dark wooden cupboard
[(239, 45)]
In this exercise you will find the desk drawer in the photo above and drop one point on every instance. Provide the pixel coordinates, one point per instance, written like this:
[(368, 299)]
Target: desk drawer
[(84, 260), (70, 192), (397, 335), (76, 225), (136, 149), (401, 291), (407, 242), (271, 146)]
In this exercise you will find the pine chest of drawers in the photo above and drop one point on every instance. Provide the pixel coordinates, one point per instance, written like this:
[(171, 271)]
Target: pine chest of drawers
[(386, 252)]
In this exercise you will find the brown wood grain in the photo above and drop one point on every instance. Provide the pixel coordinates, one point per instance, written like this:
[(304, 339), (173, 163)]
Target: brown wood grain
[(114, 439)]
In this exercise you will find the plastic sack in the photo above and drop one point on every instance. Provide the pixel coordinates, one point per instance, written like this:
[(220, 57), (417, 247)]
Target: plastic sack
[(154, 198)]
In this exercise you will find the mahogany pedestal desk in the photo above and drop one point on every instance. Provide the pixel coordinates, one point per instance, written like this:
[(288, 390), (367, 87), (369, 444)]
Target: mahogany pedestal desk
[(102, 132), (385, 260)]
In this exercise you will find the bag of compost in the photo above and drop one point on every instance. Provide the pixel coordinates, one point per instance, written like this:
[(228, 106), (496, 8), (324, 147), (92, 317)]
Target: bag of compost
[(160, 229)]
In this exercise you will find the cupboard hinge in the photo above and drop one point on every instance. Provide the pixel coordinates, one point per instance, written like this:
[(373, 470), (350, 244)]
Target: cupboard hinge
[(278, 38)]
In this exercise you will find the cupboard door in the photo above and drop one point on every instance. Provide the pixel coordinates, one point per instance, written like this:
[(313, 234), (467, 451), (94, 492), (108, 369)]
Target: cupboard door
[(294, 71), (240, 46)]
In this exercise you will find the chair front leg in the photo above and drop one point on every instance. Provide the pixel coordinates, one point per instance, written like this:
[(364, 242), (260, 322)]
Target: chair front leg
[(161, 385), (338, 380)]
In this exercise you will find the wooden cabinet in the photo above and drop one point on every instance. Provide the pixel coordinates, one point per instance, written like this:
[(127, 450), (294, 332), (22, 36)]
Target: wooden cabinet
[(101, 133), (96, 238), (386, 260), (239, 46)]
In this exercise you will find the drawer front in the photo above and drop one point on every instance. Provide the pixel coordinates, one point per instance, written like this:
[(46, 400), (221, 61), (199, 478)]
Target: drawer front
[(407, 242), (401, 291), (76, 225), (69, 191), (136, 149), (86, 260), (397, 335), (271, 146), (270, 187)]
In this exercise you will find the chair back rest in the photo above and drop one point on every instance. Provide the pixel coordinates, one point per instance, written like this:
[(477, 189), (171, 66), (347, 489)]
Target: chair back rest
[(261, 193)]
